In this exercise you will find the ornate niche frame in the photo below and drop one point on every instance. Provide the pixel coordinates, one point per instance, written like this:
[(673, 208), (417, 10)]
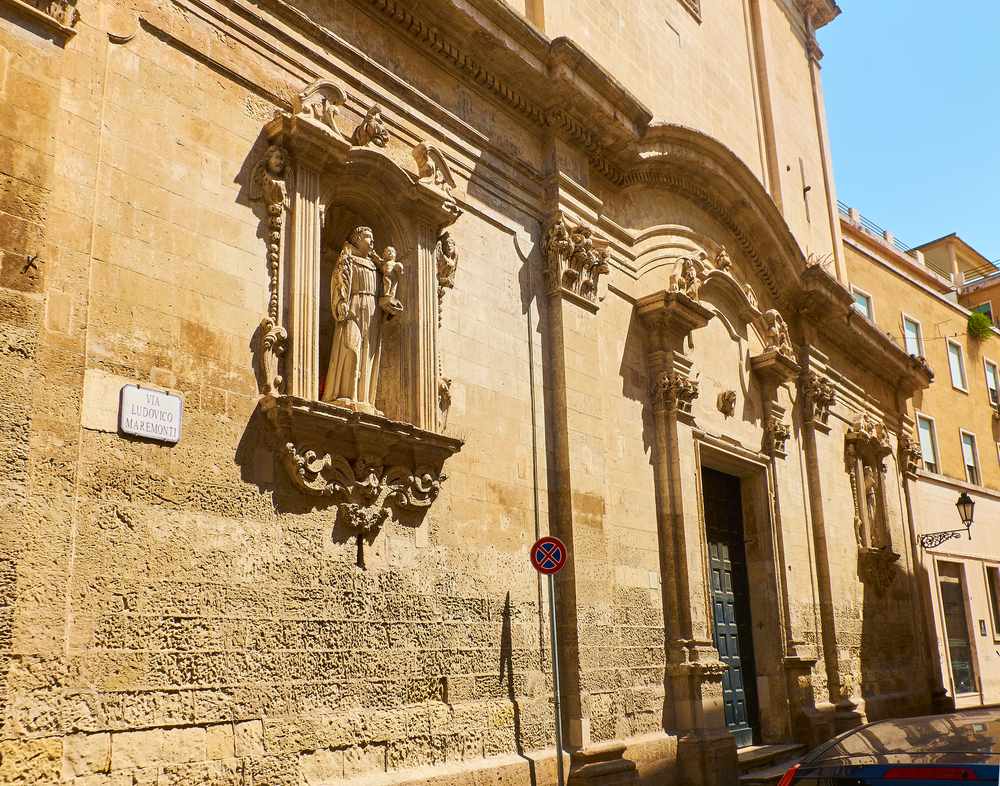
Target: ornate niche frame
[(866, 446), (316, 181)]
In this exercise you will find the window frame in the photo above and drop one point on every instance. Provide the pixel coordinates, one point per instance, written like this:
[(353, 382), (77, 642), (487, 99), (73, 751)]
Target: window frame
[(987, 363), (934, 443), (855, 290), (989, 304), (920, 335), (975, 452), (961, 359), (994, 598)]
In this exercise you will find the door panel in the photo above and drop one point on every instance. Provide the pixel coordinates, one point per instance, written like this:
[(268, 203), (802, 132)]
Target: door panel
[(732, 629)]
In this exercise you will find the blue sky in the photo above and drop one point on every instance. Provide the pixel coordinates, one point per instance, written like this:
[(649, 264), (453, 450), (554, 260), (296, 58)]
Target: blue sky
[(912, 93)]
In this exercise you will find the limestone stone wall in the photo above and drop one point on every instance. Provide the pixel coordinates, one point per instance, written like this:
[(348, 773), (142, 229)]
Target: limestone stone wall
[(185, 614)]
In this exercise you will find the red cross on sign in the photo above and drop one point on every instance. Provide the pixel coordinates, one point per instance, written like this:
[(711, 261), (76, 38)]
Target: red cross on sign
[(548, 555)]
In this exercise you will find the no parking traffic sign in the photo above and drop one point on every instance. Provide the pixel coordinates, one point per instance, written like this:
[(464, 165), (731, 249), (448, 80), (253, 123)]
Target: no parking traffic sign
[(548, 555)]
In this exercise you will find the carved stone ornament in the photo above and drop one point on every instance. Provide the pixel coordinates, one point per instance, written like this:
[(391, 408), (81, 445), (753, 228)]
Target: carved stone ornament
[(446, 258), (776, 434), (321, 101), (910, 454), (61, 16), (723, 262), (819, 398), (869, 438), (269, 184), (374, 469), (432, 167), (777, 338), (372, 130), (877, 568), (674, 392), (687, 279), (726, 403), (574, 261)]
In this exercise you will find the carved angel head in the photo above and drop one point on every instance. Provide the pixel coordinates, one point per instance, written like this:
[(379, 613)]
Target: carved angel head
[(276, 159)]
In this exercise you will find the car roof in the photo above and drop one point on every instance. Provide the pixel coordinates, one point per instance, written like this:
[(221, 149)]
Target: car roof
[(971, 732)]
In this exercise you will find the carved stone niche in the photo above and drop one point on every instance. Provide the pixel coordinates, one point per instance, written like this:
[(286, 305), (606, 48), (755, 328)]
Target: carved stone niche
[(865, 449), (347, 352)]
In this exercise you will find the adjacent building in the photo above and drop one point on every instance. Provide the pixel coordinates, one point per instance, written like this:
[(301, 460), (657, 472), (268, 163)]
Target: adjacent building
[(314, 316), (923, 298)]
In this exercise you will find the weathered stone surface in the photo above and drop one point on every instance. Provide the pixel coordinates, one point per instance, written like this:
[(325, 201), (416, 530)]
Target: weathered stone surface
[(196, 615)]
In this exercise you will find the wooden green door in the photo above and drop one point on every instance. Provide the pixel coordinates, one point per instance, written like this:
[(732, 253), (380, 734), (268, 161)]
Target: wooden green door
[(732, 630)]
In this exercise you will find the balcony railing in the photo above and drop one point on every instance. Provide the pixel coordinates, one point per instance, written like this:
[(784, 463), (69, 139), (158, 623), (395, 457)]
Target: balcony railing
[(871, 228)]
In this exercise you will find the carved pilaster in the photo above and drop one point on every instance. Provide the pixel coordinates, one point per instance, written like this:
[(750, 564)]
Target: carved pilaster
[(307, 221), (446, 256)]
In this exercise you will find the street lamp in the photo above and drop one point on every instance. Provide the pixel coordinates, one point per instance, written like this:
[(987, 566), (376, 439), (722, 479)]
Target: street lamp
[(966, 507)]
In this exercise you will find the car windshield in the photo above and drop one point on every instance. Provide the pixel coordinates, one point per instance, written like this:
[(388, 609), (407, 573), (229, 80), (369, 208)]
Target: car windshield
[(974, 734)]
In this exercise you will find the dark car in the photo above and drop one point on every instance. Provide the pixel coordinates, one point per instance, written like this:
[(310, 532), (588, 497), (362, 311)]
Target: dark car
[(959, 747)]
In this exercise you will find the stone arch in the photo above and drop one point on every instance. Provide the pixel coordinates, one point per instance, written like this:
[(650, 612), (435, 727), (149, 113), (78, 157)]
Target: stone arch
[(707, 174)]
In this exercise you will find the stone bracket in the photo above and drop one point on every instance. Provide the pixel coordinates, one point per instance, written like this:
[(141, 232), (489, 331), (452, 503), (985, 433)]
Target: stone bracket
[(672, 316), (373, 468)]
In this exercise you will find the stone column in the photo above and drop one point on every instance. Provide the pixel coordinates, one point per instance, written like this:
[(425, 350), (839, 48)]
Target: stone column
[(304, 264), (706, 751)]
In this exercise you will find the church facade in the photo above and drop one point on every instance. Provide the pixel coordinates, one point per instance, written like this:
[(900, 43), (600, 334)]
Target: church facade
[(432, 280)]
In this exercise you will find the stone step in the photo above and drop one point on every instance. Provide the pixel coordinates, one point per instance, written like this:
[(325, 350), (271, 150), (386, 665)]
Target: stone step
[(760, 756), (769, 775)]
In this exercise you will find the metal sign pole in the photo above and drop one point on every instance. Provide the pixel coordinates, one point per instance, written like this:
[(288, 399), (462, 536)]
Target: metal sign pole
[(555, 680)]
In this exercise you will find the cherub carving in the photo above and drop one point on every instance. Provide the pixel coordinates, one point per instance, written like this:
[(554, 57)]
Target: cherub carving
[(722, 261), (432, 168), (446, 256), (320, 101), (372, 129), (268, 181), (687, 281), (777, 337)]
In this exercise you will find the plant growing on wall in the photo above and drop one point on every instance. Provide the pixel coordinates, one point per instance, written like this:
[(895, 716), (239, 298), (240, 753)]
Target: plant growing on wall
[(980, 326)]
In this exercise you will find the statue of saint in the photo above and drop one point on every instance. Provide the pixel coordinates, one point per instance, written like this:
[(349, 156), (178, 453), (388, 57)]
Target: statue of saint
[(362, 295)]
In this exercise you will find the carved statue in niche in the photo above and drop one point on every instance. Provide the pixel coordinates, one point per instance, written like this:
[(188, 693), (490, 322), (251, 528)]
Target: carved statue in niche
[(372, 129), (362, 295), (871, 499), (777, 337), (686, 281)]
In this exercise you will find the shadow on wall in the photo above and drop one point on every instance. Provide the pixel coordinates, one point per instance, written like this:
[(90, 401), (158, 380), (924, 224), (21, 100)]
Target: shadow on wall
[(892, 661), (636, 382)]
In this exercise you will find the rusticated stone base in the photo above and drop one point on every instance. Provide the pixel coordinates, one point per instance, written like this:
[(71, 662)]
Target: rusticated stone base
[(707, 759), (604, 765)]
